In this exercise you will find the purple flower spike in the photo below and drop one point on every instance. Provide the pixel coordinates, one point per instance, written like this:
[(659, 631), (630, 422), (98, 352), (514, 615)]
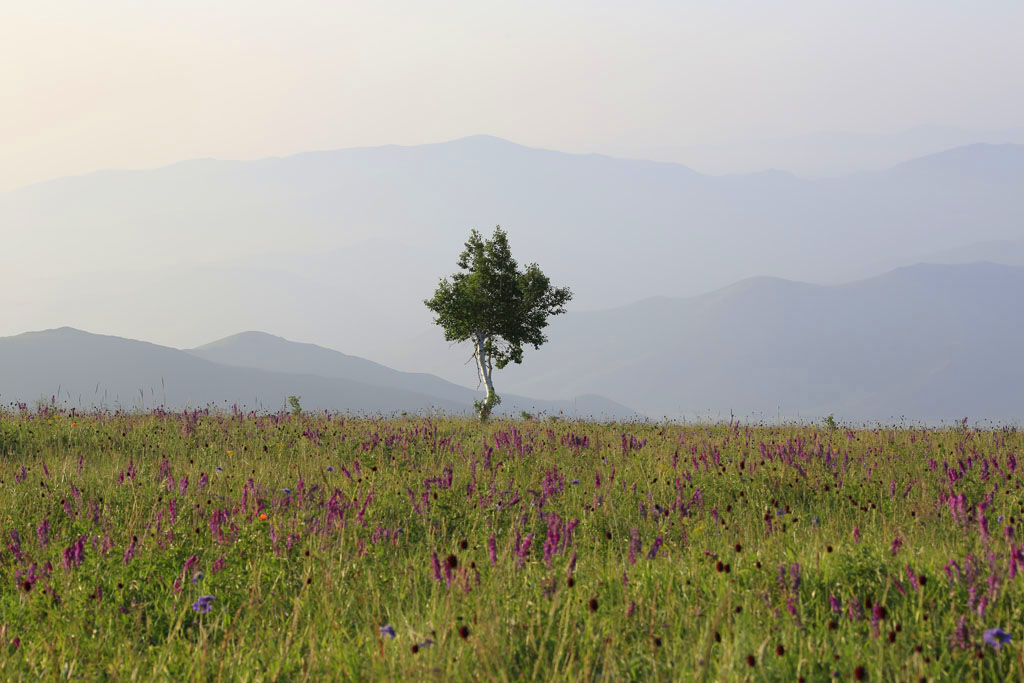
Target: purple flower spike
[(436, 565), (996, 637), (203, 605)]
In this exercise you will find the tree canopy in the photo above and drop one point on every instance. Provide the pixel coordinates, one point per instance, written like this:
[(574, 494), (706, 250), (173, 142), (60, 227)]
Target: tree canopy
[(496, 305)]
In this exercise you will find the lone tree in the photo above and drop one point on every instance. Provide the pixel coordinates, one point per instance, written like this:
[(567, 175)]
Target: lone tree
[(495, 305)]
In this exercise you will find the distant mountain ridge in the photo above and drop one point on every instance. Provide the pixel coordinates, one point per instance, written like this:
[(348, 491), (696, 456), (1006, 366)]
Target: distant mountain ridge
[(263, 351), (341, 247), (84, 370), (928, 342)]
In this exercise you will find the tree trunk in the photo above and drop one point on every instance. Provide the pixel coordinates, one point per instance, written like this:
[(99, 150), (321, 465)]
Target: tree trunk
[(484, 368)]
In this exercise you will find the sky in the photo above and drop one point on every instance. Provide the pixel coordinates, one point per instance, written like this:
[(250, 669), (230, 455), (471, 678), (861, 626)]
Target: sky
[(97, 84)]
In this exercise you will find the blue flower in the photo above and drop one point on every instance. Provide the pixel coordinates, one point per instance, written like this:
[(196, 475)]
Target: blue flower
[(426, 643), (286, 490), (387, 630), (996, 637), (781, 511), (330, 468), (203, 605), (197, 577), (219, 468)]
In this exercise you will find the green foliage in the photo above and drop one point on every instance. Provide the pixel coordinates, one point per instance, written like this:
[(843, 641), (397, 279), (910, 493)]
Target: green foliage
[(494, 299), (314, 552), (294, 406), (483, 408)]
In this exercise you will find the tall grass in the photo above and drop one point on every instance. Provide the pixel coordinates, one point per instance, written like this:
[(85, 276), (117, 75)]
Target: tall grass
[(509, 551)]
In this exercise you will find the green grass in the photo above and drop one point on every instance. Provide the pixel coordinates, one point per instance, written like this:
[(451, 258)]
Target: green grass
[(302, 593)]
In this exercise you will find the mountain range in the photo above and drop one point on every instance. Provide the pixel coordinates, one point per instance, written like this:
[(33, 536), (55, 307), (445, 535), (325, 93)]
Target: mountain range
[(826, 154), (928, 342), (340, 248), (252, 370)]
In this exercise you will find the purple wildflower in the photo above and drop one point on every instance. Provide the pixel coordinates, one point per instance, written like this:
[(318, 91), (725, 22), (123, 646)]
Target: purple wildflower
[(203, 605), (996, 637), (387, 630), (961, 636), (492, 550), (654, 548), (436, 564), (634, 545)]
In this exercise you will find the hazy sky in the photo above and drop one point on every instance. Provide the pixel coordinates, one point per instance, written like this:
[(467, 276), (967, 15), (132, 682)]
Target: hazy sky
[(90, 84)]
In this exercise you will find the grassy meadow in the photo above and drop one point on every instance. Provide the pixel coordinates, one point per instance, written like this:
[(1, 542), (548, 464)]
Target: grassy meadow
[(200, 546)]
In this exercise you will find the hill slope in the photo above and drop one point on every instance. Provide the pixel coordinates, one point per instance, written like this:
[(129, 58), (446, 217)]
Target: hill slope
[(929, 342), (261, 371), (268, 352), (97, 370), (370, 230)]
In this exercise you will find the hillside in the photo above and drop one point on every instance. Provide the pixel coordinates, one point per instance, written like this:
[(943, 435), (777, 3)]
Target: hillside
[(928, 342), (341, 247), (83, 370)]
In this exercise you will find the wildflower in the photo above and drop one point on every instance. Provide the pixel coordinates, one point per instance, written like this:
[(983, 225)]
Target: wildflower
[(896, 543), (286, 490), (654, 548), (836, 603), (129, 552), (961, 637), (463, 632), (387, 630), (263, 516), (43, 533), (330, 468), (996, 637), (634, 545), (436, 564), (492, 550), (204, 604)]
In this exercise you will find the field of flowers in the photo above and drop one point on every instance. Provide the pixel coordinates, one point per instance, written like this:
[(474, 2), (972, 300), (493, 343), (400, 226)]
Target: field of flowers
[(261, 547)]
